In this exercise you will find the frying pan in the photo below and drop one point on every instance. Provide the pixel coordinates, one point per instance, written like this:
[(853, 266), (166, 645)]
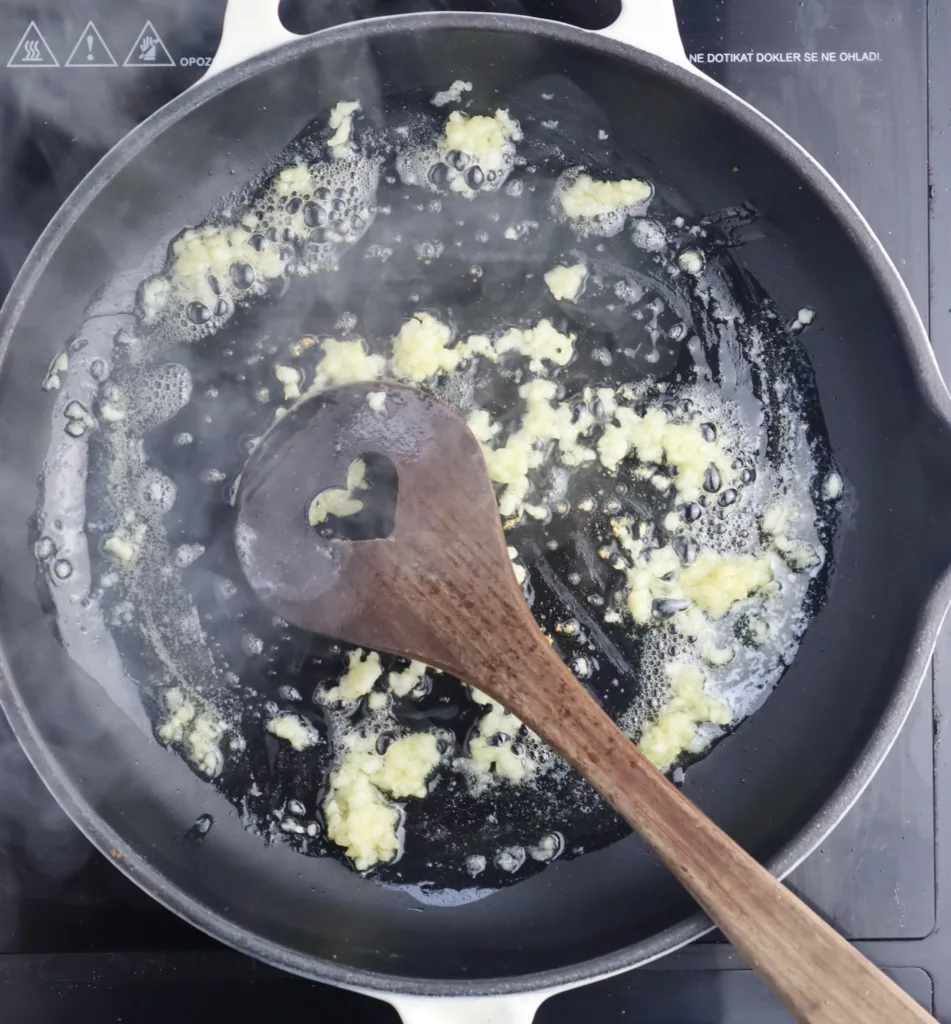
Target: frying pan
[(788, 775)]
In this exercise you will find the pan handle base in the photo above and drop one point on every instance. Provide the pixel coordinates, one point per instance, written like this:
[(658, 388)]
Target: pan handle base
[(515, 1009), (250, 27), (650, 25)]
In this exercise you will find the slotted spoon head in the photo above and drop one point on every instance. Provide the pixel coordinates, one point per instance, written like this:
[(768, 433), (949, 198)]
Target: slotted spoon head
[(409, 592)]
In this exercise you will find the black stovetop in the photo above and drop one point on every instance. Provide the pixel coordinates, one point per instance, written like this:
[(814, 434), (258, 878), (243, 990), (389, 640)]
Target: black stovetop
[(79, 940)]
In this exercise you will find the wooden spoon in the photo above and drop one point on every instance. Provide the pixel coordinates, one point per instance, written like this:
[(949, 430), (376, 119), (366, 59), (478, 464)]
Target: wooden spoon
[(440, 589)]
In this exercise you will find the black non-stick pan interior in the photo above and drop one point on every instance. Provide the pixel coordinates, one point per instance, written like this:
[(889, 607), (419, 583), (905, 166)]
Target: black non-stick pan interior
[(766, 784)]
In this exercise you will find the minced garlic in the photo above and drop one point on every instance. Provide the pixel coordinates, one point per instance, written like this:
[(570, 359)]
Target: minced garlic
[(421, 349), (520, 574), (199, 731), (675, 729), (408, 762), (481, 137), (293, 178), (358, 817), (481, 425), (403, 683), (539, 344), (451, 95), (776, 522), (121, 547), (690, 262), (656, 437), (296, 731), (363, 670), (339, 501), (544, 421), (291, 378), (199, 254), (710, 585), (587, 198), (497, 757), (565, 283), (345, 362), (716, 582), (341, 124)]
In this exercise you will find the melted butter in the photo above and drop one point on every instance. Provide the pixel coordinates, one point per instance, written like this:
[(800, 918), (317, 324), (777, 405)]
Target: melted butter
[(730, 588)]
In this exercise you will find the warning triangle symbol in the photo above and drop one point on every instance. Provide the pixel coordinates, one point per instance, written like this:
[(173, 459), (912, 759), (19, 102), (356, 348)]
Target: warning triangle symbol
[(32, 51), (148, 50), (91, 51)]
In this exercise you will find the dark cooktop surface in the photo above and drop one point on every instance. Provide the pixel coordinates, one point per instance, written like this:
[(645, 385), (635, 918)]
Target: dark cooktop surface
[(854, 81)]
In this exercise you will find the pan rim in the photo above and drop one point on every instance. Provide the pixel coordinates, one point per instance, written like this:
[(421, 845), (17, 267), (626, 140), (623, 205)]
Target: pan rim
[(927, 375)]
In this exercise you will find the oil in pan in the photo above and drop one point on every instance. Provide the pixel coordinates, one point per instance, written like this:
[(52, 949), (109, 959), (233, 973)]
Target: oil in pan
[(647, 413)]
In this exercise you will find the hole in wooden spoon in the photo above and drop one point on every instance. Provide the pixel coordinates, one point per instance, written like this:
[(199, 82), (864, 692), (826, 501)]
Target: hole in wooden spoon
[(364, 508)]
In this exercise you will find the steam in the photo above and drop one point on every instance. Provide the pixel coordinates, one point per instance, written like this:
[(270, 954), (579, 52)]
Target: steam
[(52, 133), (56, 123), (419, 258), (35, 833)]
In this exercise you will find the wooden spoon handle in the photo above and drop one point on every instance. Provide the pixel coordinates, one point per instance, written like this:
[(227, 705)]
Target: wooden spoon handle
[(817, 973), (820, 977)]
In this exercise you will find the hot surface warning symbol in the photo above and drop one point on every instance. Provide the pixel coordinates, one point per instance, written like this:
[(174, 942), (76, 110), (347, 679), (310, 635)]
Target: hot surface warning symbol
[(32, 51), (90, 51), (148, 50)]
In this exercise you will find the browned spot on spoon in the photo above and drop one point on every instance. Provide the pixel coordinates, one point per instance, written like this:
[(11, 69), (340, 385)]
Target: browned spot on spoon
[(440, 589)]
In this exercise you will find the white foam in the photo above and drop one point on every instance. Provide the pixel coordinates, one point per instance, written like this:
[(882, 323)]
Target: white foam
[(473, 155), (296, 224)]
